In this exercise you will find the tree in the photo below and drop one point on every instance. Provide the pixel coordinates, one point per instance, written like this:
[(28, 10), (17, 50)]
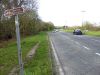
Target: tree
[(30, 22), (27, 23)]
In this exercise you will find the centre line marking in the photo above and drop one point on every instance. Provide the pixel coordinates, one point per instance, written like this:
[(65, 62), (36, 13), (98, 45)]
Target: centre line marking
[(96, 40), (86, 48), (97, 54), (73, 40), (77, 43)]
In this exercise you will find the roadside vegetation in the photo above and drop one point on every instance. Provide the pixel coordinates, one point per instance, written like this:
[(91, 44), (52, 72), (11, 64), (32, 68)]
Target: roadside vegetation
[(40, 64), (32, 30), (68, 30), (30, 22), (93, 33), (87, 29)]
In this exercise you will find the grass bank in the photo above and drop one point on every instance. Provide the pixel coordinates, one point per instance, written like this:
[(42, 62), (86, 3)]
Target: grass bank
[(68, 30), (39, 64), (93, 33), (90, 33)]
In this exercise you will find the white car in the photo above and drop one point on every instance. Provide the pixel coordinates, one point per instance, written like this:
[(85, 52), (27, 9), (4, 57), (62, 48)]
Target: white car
[(55, 30)]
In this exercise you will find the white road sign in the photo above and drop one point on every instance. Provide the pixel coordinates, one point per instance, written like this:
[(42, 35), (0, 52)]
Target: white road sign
[(8, 12)]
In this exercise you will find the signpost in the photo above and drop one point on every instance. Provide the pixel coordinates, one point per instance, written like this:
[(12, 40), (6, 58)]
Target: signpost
[(14, 11), (9, 13), (18, 45)]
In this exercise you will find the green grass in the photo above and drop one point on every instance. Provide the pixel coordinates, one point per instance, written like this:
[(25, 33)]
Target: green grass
[(9, 58), (93, 33), (68, 30), (41, 64)]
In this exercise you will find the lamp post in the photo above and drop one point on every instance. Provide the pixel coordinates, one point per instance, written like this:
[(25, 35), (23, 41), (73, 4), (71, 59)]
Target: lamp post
[(83, 16)]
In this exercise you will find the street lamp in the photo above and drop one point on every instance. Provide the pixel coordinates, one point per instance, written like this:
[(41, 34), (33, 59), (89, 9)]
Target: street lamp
[(83, 16)]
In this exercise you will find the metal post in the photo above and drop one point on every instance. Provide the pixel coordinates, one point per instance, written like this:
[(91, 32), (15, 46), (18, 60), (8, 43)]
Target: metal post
[(19, 46), (83, 17)]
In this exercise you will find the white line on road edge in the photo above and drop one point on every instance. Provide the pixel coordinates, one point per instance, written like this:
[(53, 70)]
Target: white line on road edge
[(77, 43), (96, 40), (73, 40), (61, 72), (97, 54), (86, 48)]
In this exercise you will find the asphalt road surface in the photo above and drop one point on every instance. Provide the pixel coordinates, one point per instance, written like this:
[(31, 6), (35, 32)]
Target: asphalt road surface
[(78, 54)]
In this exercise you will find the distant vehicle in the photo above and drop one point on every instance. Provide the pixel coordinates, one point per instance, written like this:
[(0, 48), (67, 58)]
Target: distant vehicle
[(55, 30), (77, 32)]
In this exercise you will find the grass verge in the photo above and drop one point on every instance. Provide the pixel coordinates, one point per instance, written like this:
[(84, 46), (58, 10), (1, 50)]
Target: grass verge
[(90, 33), (68, 30), (93, 33), (41, 62)]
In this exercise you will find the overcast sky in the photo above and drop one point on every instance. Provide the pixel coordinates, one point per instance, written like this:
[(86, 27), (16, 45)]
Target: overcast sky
[(69, 12)]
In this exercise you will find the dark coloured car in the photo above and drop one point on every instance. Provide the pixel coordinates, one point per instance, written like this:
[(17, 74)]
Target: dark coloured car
[(77, 32)]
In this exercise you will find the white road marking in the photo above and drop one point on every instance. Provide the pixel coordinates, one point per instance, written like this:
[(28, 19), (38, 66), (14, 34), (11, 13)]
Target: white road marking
[(66, 37), (97, 54), (73, 40), (77, 43), (86, 48), (79, 36), (96, 40), (61, 72)]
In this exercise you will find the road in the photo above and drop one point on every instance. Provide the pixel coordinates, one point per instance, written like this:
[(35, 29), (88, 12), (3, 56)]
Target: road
[(77, 54)]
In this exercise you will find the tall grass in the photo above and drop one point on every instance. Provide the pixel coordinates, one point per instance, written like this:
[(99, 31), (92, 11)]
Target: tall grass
[(41, 64), (9, 58)]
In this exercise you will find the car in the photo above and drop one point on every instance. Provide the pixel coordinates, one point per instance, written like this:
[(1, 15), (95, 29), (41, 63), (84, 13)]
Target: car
[(55, 30), (77, 32)]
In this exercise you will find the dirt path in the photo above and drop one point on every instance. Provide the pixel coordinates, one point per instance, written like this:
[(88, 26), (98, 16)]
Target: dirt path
[(32, 52)]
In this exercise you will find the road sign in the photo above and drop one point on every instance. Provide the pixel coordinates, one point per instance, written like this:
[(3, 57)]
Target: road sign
[(14, 11), (8, 12), (18, 10)]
